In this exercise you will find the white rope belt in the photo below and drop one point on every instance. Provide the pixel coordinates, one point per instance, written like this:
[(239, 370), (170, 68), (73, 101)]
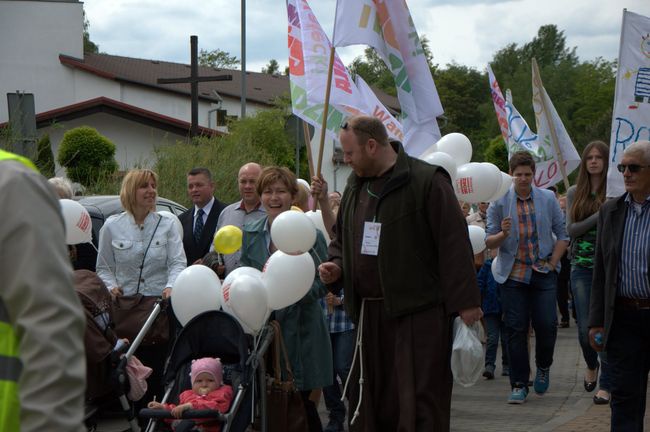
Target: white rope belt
[(358, 349)]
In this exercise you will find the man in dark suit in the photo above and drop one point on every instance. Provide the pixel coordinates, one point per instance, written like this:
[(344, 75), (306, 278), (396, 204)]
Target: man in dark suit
[(619, 316), (200, 221)]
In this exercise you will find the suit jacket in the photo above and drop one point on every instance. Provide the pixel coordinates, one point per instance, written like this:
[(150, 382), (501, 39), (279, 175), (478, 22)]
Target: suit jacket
[(609, 240), (194, 251)]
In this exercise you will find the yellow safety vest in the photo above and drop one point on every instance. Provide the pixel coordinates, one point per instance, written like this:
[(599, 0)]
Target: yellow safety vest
[(10, 365)]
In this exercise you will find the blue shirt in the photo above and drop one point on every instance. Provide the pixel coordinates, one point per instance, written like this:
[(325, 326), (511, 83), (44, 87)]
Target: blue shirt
[(633, 267), (337, 321), (549, 225)]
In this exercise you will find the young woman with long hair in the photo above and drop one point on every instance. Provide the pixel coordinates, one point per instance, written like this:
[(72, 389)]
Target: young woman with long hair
[(583, 202)]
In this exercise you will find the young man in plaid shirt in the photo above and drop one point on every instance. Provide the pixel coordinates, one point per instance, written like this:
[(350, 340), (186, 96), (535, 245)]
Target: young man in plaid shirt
[(528, 227)]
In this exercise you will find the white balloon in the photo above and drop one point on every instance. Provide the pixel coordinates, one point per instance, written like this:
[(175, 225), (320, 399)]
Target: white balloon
[(317, 219), (293, 232), (477, 181), (477, 238), (196, 290), (443, 160), (304, 184), (247, 299), (177, 221), (456, 145), (78, 225), (432, 149), (493, 267), (287, 278), (227, 282), (504, 187)]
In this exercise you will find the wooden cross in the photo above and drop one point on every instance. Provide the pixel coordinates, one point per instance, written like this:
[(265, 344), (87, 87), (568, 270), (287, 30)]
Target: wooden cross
[(194, 79)]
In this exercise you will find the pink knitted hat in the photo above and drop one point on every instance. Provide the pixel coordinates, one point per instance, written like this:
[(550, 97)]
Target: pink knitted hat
[(209, 365)]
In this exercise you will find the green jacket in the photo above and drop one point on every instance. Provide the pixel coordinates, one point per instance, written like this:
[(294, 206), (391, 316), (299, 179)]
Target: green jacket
[(418, 242), (303, 324)]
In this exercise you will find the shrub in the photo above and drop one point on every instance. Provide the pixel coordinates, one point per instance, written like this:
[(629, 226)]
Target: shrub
[(44, 157), (87, 155)]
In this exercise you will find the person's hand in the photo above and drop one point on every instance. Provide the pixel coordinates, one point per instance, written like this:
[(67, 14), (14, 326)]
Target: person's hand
[(471, 315), (117, 292), (198, 261), (178, 410), (319, 187), (598, 347), (506, 225), (333, 300), (167, 292), (155, 405), (550, 265), (329, 272)]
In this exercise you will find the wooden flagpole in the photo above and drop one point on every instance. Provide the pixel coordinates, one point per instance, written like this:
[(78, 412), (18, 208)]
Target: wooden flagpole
[(310, 158), (326, 108)]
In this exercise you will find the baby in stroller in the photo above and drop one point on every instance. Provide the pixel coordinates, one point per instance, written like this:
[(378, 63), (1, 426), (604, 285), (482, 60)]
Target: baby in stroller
[(207, 392)]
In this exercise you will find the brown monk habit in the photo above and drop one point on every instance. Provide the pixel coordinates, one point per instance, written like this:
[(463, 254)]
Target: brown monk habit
[(407, 376)]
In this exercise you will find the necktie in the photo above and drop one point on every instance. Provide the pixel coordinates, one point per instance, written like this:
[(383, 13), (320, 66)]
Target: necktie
[(198, 226)]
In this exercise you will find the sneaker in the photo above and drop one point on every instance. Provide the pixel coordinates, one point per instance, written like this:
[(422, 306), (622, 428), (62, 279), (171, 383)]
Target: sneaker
[(542, 380), (489, 372), (518, 396)]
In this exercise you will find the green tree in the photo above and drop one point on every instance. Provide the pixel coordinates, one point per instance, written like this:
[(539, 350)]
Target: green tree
[(217, 59), (44, 156), (87, 155), (497, 153), (272, 68), (89, 46)]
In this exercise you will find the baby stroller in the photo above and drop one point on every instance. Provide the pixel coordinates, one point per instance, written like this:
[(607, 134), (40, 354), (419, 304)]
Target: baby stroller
[(106, 355), (216, 334)]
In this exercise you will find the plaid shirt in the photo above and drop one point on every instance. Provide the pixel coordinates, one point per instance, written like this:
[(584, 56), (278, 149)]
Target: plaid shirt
[(528, 250), (337, 321)]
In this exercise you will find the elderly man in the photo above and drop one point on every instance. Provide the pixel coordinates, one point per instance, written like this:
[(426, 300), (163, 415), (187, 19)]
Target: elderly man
[(247, 209), (200, 222), (619, 316), (403, 257)]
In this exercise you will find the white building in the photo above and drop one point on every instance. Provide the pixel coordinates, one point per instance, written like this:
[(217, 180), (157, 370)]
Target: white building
[(41, 52)]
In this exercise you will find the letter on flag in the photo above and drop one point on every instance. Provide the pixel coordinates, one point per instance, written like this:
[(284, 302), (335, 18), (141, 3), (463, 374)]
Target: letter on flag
[(631, 115), (387, 26)]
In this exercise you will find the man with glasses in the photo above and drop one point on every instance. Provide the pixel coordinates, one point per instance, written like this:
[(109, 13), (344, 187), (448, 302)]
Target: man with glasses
[(403, 258), (619, 316)]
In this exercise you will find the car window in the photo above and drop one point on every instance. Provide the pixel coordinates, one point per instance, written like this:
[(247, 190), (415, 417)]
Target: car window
[(164, 206)]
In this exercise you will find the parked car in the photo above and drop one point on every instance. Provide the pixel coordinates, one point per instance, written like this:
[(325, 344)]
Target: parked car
[(100, 207)]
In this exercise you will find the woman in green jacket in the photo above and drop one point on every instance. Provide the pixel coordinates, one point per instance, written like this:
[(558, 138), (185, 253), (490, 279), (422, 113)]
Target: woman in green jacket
[(303, 323)]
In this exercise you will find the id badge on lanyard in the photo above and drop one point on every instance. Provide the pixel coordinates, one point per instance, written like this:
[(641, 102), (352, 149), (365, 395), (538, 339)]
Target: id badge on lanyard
[(370, 243)]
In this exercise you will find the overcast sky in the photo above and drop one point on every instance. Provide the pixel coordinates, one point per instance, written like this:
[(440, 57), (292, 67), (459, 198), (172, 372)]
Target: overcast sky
[(468, 32)]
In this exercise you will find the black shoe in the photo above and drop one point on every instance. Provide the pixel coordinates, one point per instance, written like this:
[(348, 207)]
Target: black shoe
[(600, 400), (505, 370), (591, 385), (489, 372), (564, 324)]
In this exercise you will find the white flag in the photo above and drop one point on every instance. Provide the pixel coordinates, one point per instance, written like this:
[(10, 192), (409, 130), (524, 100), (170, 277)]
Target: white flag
[(499, 104), (631, 115), (552, 136), (377, 109), (309, 52), (387, 26)]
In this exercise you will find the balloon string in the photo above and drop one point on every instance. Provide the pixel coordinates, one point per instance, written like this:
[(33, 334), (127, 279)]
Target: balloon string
[(318, 257)]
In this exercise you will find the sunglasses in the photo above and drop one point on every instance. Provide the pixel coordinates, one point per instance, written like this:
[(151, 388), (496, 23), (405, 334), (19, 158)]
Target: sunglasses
[(347, 126), (634, 168)]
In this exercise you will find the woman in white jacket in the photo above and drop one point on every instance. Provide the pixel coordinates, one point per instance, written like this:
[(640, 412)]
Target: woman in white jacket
[(141, 251)]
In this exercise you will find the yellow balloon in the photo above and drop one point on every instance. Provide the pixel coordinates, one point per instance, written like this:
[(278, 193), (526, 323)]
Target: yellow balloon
[(228, 239)]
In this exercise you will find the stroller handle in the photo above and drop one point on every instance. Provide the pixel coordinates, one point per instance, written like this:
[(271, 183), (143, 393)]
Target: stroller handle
[(187, 414)]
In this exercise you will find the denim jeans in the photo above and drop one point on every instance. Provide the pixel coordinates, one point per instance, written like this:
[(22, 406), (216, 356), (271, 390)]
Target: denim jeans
[(581, 278), (523, 303), (495, 328), (628, 352), (342, 351)]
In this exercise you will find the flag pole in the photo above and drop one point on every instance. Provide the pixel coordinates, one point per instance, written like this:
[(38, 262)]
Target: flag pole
[(310, 158), (326, 108), (556, 143)]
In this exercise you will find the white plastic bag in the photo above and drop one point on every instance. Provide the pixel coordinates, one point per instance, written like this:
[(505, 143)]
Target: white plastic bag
[(467, 354)]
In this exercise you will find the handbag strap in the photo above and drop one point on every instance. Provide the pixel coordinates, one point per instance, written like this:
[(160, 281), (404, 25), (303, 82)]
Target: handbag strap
[(280, 347), (137, 290)]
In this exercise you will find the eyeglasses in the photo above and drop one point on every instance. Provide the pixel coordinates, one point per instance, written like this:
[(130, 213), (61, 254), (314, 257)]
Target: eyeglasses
[(634, 168), (347, 126)]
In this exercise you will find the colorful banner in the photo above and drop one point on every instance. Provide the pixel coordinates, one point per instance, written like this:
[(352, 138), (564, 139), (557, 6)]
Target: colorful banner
[(377, 109), (631, 115), (519, 136), (309, 52), (552, 135), (387, 26)]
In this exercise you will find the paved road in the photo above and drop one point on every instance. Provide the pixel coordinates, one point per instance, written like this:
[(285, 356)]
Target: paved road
[(567, 407)]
